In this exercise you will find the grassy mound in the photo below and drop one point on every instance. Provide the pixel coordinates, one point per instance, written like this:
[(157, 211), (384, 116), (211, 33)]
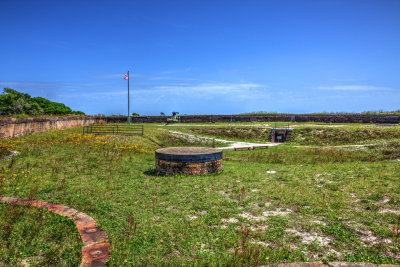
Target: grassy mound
[(343, 136)]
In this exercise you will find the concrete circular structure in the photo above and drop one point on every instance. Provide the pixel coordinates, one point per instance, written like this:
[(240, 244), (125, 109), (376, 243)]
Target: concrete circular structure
[(189, 160)]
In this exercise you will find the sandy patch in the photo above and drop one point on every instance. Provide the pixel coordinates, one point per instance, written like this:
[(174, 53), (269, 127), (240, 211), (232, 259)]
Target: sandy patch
[(356, 199), (250, 216), (367, 236), (227, 195), (197, 215), (278, 212), (390, 211), (258, 242), (193, 217), (259, 228), (319, 222), (308, 238), (229, 220), (265, 214), (30, 260)]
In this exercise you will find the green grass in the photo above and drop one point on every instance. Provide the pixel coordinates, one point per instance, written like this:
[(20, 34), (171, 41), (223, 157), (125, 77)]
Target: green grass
[(37, 236), (315, 203)]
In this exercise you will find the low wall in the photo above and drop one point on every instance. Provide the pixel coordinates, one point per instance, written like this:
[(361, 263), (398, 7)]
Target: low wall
[(15, 127), (266, 118)]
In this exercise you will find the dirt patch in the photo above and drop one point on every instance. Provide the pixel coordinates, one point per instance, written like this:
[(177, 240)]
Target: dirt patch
[(278, 212), (251, 217), (259, 228), (390, 211), (319, 222), (308, 238), (258, 242), (385, 199), (265, 214), (197, 215), (354, 196), (227, 195)]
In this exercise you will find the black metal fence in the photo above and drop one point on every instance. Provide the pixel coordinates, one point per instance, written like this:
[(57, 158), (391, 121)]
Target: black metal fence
[(114, 129)]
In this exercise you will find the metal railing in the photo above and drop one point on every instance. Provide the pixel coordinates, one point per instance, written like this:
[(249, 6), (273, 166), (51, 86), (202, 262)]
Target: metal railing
[(114, 129)]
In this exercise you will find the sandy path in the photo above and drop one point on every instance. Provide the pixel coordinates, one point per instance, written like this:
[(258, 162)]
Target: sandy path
[(232, 144)]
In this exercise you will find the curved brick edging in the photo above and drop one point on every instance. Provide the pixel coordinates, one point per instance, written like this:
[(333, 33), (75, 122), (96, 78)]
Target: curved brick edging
[(13, 154), (96, 246), (330, 264)]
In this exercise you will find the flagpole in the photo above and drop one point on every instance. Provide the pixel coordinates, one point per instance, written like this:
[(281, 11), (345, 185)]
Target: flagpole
[(129, 114)]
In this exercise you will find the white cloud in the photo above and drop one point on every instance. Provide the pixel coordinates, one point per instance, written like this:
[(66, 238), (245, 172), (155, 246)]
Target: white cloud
[(208, 90), (354, 88), (215, 89)]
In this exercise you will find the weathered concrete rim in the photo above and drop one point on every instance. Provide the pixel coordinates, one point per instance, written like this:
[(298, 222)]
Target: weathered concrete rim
[(96, 245), (13, 154), (329, 264)]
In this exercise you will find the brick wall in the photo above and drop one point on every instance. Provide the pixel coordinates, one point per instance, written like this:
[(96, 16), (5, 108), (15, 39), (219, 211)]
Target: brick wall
[(194, 168), (266, 118), (15, 127)]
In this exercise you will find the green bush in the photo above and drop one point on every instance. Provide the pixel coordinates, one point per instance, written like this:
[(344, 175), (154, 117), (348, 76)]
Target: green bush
[(14, 103)]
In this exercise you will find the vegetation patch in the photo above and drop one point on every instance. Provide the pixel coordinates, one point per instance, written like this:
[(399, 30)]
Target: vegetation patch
[(343, 136), (283, 204), (35, 236), (20, 104)]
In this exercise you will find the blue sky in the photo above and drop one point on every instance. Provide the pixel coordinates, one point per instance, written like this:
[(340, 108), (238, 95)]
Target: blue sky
[(204, 57)]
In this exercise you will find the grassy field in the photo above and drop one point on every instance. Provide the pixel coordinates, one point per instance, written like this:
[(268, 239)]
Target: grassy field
[(332, 193), (38, 237)]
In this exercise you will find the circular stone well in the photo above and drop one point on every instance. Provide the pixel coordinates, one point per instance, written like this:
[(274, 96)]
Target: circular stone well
[(189, 160)]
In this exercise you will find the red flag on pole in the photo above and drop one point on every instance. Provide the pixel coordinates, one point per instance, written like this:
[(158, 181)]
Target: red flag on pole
[(126, 76)]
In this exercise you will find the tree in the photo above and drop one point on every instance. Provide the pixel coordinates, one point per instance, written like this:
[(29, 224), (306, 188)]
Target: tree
[(13, 102), (50, 107), (135, 114), (162, 114)]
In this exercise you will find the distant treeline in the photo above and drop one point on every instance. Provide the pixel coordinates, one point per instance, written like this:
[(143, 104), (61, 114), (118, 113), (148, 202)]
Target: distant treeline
[(13, 102)]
